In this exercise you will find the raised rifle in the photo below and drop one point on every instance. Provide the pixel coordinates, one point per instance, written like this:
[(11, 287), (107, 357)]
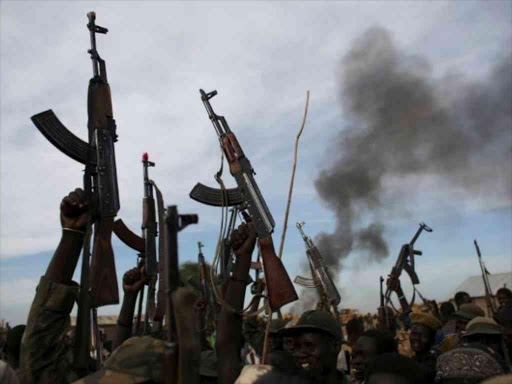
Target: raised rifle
[(383, 315), (485, 277), (405, 262), (279, 286), (146, 245), (100, 185), (183, 362), (149, 233), (321, 276)]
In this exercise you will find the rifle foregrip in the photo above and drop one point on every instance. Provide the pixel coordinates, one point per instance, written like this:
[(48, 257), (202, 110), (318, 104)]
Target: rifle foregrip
[(280, 288), (215, 197), (62, 138)]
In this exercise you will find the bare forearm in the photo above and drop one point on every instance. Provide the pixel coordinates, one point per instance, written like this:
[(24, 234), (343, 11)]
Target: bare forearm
[(64, 261), (125, 320), (229, 331)]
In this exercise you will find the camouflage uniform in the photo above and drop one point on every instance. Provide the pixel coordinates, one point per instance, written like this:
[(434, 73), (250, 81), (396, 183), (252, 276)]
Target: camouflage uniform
[(137, 360), (45, 356)]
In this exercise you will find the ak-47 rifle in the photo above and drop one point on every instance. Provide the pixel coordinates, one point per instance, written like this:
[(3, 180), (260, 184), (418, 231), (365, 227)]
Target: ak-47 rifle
[(184, 360), (100, 185), (405, 262), (279, 286), (383, 316), (321, 276), (485, 277), (149, 233), (207, 318), (146, 245)]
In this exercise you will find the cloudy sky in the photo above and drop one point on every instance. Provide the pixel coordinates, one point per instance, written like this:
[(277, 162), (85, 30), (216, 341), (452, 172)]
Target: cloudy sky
[(436, 72)]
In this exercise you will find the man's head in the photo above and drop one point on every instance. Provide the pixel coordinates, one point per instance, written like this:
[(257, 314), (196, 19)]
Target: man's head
[(462, 298), (370, 345), (12, 345), (504, 296), (355, 328), (467, 364), (446, 309), (465, 314), (484, 331), (423, 331), (317, 341), (393, 368)]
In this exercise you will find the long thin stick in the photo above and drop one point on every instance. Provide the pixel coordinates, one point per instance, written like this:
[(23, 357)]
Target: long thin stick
[(285, 225)]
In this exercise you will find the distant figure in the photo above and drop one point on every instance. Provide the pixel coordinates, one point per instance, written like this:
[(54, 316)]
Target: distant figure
[(504, 296), (446, 310), (461, 298), (355, 329)]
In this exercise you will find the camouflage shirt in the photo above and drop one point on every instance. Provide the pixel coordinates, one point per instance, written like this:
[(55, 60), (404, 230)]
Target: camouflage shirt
[(45, 357)]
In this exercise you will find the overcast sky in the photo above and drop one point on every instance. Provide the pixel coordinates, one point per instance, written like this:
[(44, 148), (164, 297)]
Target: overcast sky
[(261, 57)]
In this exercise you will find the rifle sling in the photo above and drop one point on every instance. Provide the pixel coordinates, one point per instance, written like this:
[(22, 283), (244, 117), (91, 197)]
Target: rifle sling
[(162, 285)]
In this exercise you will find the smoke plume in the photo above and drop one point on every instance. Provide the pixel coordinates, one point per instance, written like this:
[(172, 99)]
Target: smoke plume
[(403, 125)]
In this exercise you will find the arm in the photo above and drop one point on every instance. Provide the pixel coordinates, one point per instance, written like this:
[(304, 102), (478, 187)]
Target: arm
[(133, 281), (394, 284), (43, 352), (229, 329)]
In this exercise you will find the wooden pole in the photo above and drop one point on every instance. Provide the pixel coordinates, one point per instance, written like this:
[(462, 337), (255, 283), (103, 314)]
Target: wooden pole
[(285, 225)]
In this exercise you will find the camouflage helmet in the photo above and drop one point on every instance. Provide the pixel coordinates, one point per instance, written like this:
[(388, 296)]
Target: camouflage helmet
[(137, 360), (315, 320)]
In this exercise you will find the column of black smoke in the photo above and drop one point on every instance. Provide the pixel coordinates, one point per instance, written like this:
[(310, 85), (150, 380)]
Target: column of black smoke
[(401, 123)]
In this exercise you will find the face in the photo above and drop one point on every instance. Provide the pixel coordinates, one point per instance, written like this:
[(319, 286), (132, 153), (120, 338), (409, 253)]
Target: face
[(363, 353), (386, 378), (460, 325), (288, 344), (313, 353), (466, 299), (503, 299), (420, 338)]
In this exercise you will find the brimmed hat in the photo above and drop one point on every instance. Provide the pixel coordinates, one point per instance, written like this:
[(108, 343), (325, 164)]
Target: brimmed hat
[(469, 312), (425, 319), (315, 320), (137, 360), (484, 326)]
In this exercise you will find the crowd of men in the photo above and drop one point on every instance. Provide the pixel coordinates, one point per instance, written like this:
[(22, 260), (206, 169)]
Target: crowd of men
[(458, 344)]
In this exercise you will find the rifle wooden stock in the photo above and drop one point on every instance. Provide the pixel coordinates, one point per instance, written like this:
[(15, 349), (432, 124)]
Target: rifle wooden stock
[(103, 278), (128, 237), (279, 285)]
